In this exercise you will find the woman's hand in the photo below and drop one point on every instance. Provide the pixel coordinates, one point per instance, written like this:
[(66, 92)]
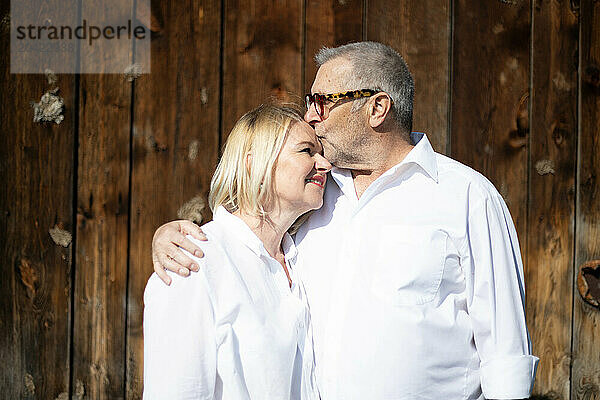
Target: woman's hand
[(165, 248)]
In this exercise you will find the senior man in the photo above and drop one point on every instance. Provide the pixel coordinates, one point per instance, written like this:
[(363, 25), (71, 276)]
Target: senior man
[(412, 267)]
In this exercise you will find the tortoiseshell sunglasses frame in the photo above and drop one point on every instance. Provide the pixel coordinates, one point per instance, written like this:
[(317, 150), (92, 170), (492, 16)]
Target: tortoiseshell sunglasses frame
[(320, 99)]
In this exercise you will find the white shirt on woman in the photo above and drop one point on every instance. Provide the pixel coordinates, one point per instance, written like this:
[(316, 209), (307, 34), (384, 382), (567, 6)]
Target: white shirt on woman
[(416, 289), (234, 330)]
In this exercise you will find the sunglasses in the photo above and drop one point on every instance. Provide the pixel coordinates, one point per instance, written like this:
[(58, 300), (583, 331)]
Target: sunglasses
[(319, 100)]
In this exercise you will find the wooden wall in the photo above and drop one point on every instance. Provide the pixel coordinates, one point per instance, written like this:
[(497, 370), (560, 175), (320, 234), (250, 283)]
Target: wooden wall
[(511, 88)]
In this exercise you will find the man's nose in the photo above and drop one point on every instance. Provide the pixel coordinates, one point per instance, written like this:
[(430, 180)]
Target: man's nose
[(311, 115)]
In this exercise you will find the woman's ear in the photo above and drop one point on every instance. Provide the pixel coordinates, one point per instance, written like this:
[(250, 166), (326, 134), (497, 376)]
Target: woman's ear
[(248, 162), (381, 105)]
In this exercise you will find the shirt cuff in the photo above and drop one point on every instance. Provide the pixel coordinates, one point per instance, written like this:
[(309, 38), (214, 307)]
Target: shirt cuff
[(508, 377)]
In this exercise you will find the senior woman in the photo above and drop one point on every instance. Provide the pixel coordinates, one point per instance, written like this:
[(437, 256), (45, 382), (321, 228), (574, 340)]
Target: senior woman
[(244, 332)]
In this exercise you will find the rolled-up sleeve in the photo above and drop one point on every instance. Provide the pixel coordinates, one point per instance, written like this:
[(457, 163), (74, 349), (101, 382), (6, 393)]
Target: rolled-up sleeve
[(496, 302), (179, 341)]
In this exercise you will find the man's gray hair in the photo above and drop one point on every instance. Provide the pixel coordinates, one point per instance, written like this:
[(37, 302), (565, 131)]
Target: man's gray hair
[(379, 67)]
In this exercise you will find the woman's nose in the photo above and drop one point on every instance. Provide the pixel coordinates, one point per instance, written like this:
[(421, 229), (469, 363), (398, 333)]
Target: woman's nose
[(321, 163)]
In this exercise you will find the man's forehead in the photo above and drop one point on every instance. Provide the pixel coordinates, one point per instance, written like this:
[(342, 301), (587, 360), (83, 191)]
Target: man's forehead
[(331, 76)]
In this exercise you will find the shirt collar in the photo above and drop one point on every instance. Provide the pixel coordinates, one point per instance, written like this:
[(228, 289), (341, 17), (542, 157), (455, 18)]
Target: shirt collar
[(289, 247), (422, 155), (242, 232)]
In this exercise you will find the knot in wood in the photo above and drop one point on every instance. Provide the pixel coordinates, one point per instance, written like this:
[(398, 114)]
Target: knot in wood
[(592, 76), (588, 282)]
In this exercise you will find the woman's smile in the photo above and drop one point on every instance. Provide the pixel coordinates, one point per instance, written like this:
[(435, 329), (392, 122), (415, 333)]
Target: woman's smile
[(318, 180)]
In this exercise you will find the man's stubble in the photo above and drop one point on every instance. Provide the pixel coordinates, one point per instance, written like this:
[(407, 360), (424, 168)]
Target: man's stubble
[(351, 143)]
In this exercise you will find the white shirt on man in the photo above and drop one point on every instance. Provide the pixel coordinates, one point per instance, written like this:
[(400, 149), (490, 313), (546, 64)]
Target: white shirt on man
[(416, 289), (234, 330)]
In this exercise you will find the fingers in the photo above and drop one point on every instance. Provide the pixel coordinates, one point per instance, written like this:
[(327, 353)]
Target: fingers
[(171, 248), (178, 259), (190, 228), (164, 263), (172, 265), (166, 254), (161, 272), (173, 259), (192, 248)]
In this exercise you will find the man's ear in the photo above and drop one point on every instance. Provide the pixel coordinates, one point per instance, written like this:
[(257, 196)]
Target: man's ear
[(380, 107)]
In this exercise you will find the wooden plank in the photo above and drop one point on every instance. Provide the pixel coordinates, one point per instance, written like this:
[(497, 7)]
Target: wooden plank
[(262, 55), (586, 341), (553, 151), (328, 24), (420, 31), (102, 218), (36, 170), (175, 141), (489, 97)]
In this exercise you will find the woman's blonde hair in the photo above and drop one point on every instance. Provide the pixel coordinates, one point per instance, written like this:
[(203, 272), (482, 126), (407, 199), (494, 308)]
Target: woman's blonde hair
[(246, 184)]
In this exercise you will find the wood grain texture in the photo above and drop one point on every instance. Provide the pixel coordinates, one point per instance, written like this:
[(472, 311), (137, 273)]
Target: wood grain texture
[(420, 31), (328, 24), (585, 374), (183, 110), (489, 97), (102, 219), (36, 171), (175, 142), (262, 55), (553, 151)]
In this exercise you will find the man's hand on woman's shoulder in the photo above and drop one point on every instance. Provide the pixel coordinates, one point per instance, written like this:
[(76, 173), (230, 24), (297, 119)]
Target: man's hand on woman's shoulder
[(166, 242)]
